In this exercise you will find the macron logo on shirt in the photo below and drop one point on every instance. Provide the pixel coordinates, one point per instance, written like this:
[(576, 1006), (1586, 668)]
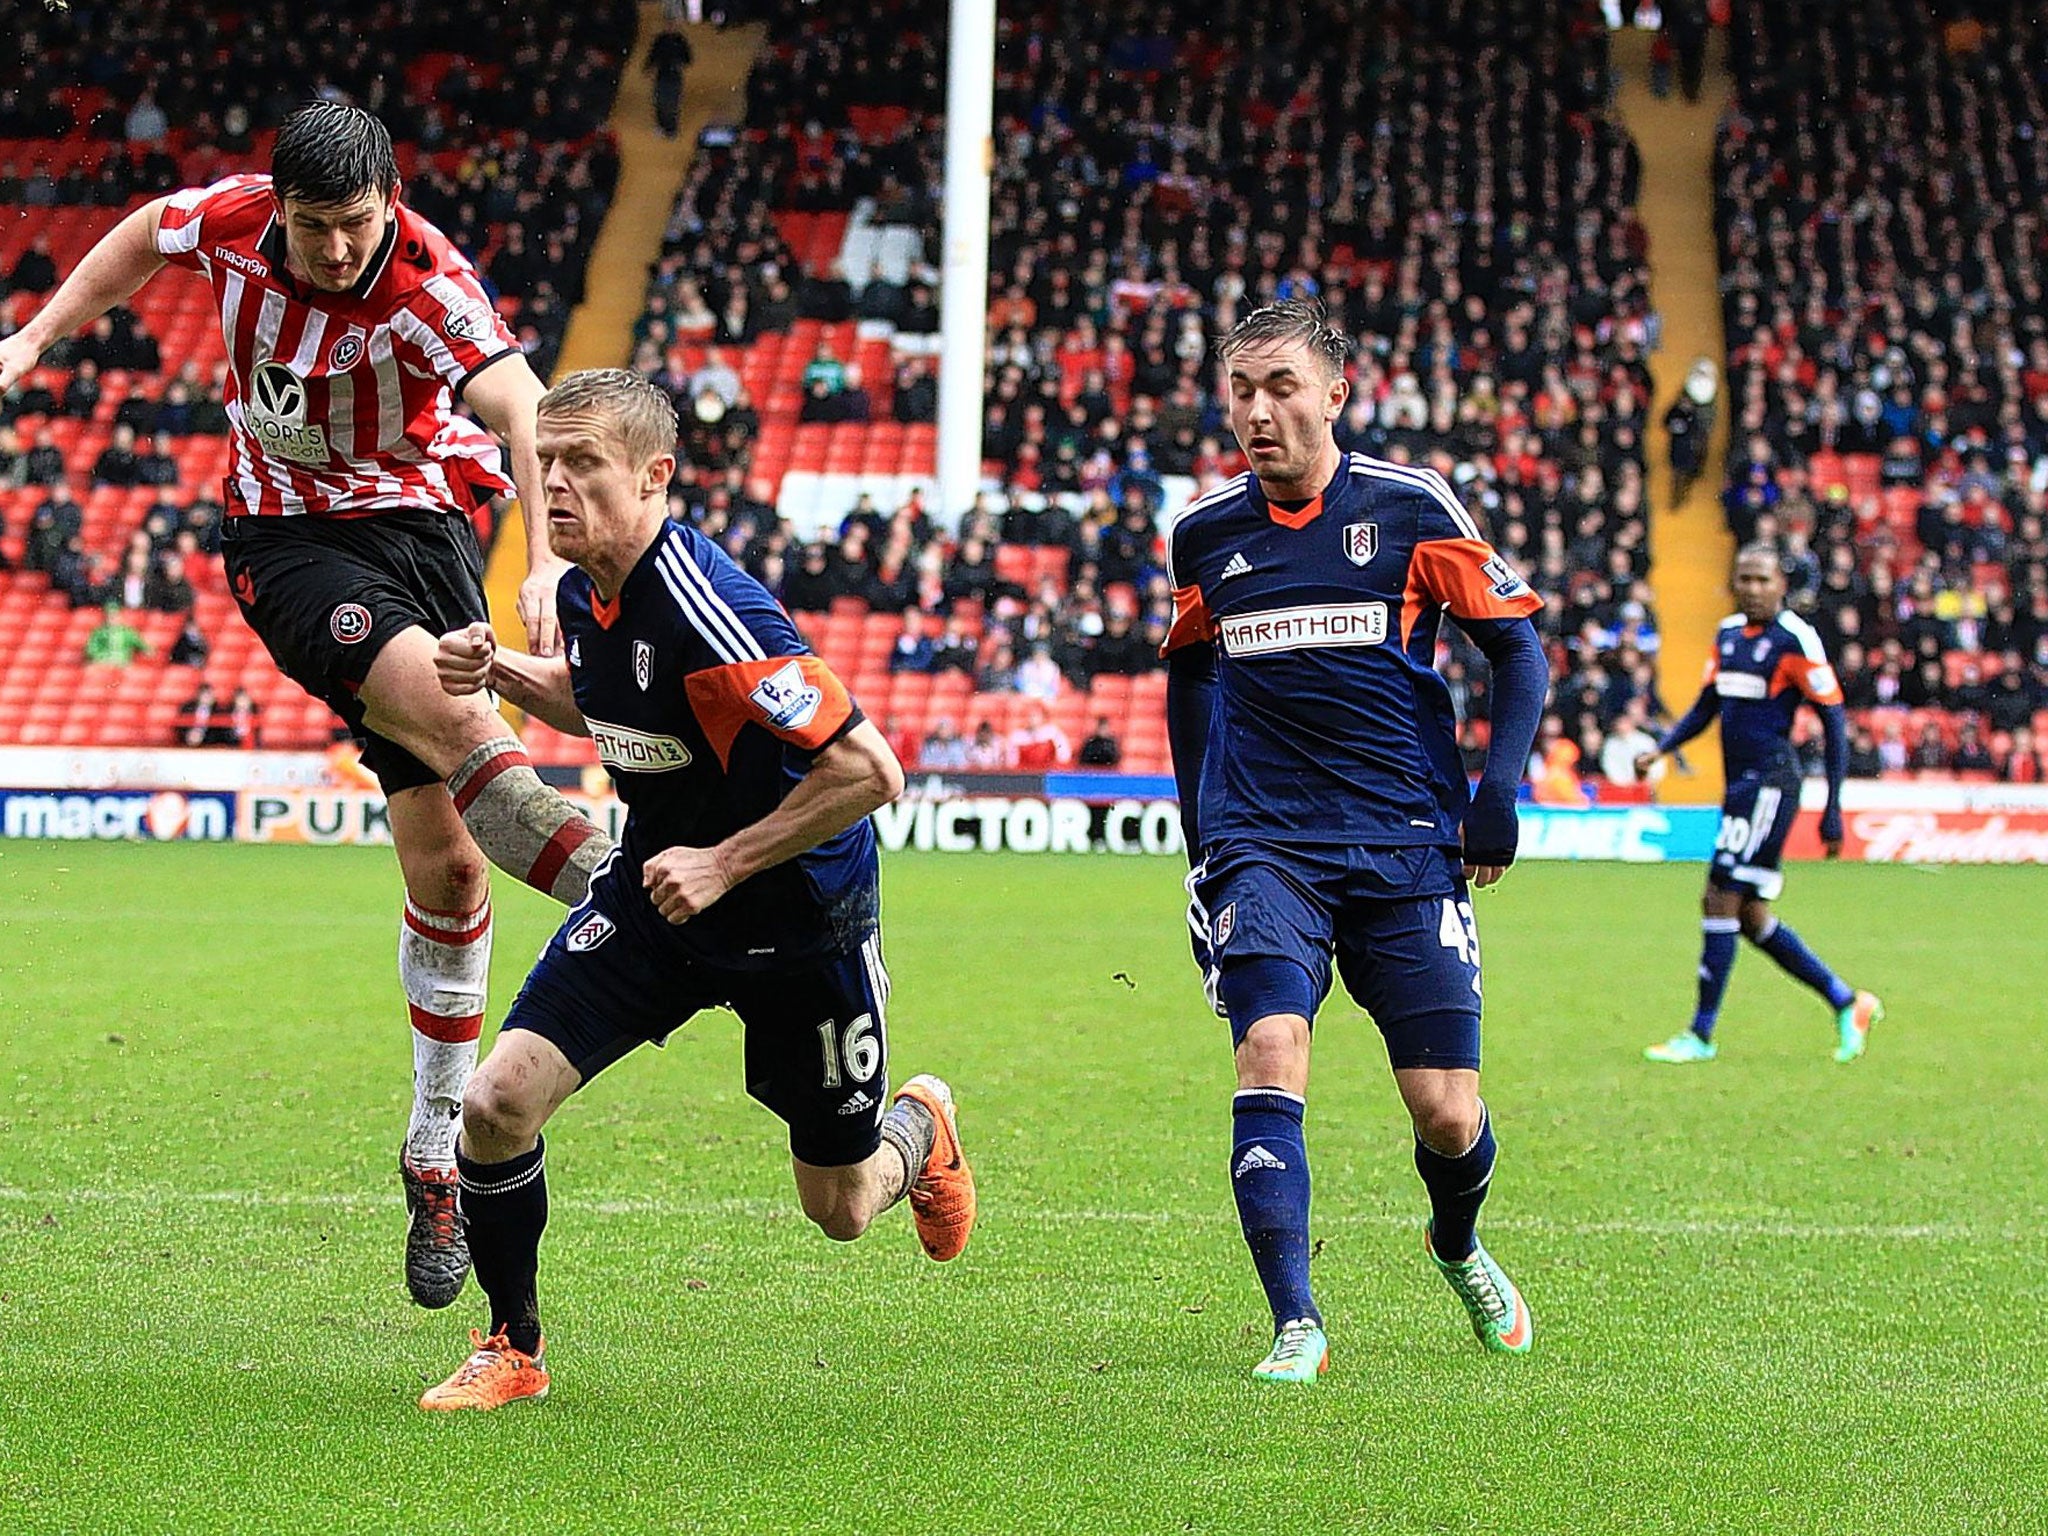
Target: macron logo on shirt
[(1295, 629), (250, 264)]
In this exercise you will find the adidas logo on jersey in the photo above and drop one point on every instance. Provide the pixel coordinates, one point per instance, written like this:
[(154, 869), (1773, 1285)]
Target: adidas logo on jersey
[(857, 1103), (1257, 1157), (1236, 565)]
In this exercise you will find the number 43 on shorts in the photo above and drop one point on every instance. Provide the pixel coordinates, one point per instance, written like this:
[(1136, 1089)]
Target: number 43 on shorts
[(1456, 931)]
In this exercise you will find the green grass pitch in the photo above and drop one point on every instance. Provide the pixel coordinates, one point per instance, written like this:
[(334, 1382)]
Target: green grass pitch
[(1772, 1294)]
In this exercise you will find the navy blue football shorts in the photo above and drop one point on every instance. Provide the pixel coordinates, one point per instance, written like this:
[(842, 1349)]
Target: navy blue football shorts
[(1396, 921), (1756, 818), (817, 1046)]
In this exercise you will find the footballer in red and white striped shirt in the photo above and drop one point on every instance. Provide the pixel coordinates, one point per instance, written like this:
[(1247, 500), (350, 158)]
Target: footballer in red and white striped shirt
[(352, 327), (341, 386)]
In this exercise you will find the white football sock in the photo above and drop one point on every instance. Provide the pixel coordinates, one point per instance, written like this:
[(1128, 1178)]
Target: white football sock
[(444, 963)]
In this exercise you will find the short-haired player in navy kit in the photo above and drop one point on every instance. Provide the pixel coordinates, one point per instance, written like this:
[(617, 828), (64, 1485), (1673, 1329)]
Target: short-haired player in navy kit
[(1327, 811), (1767, 661), (746, 875)]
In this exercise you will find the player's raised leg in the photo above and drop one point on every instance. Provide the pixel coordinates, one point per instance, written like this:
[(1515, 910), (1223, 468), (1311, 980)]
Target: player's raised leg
[(1269, 1178), (502, 1158), (918, 1156), (1854, 1011), (522, 825), (818, 1055), (1454, 1154), (444, 961), (942, 1199)]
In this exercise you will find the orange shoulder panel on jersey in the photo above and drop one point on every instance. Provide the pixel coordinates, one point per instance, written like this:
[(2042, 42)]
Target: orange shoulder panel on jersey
[(798, 698), (1191, 622), (1467, 576), (1815, 679)]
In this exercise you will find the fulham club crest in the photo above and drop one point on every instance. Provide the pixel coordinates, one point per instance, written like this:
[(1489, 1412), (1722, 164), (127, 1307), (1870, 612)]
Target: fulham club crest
[(643, 664), (1361, 542), (588, 934)]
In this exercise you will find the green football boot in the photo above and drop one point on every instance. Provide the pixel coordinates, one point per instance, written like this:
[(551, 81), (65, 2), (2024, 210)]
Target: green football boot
[(1683, 1047), (1500, 1318), (1852, 1026), (1300, 1354)]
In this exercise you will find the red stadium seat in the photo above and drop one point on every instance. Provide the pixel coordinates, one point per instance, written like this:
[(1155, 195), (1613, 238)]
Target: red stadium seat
[(1014, 564)]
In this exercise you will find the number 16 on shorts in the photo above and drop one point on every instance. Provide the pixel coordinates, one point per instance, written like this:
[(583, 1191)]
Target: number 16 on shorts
[(849, 1054)]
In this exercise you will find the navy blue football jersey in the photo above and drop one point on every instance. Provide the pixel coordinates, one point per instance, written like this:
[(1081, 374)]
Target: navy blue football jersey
[(1331, 726), (1761, 673), (706, 708)]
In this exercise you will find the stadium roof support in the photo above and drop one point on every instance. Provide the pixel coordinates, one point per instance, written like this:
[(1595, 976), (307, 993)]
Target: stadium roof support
[(963, 291)]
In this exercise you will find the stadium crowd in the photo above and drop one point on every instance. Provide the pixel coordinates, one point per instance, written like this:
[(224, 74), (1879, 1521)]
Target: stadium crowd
[(160, 95), (1448, 181), (1881, 180)]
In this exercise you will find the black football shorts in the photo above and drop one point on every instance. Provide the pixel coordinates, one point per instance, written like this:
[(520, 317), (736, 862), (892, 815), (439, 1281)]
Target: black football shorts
[(816, 1032), (325, 595)]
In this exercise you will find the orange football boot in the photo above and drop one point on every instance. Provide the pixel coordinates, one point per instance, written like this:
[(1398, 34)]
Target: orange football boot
[(495, 1375), (942, 1197)]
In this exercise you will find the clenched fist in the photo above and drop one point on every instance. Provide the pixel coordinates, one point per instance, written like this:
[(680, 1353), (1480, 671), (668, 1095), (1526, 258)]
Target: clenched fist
[(682, 882), (18, 359), (463, 663)]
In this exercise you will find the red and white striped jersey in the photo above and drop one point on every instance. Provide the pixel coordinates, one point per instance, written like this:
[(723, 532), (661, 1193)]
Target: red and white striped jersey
[(342, 404)]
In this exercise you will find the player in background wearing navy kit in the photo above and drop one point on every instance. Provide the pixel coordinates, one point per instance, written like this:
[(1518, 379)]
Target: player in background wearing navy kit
[(746, 875), (1327, 810), (352, 327), (1766, 662)]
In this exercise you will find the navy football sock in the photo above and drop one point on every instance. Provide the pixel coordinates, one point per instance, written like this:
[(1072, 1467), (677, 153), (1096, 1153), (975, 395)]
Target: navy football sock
[(1457, 1188), (1717, 960), (1790, 951), (504, 1211), (1269, 1176)]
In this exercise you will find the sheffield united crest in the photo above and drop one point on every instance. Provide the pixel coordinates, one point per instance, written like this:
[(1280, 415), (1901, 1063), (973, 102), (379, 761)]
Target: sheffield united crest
[(1361, 542)]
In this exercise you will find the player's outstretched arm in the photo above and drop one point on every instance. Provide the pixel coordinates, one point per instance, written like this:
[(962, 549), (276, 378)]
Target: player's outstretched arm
[(123, 260), (1697, 719), (854, 776), (469, 661), (1521, 683), (503, 396)]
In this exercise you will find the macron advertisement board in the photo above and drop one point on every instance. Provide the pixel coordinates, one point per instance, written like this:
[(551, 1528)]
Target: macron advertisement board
[(219, 796)]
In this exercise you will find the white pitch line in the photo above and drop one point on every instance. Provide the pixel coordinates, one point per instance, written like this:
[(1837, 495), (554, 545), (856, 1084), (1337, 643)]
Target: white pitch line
[(757, 1209)]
